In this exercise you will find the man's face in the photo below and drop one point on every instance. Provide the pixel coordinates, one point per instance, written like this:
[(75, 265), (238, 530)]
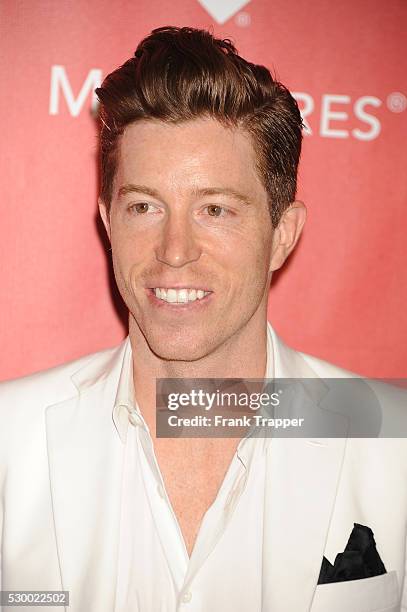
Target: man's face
[(189, 212)]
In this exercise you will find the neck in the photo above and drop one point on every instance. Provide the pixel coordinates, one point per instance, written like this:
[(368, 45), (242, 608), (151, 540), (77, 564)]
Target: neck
[(244, 355)]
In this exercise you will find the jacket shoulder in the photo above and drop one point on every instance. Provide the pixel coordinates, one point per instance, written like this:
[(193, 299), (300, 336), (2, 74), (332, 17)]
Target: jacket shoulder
[(50, 385), (388, 397), (24, 400), (325, 369)]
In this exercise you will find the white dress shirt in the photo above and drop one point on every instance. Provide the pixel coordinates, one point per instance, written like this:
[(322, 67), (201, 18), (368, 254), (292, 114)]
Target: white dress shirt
[(155, 572)]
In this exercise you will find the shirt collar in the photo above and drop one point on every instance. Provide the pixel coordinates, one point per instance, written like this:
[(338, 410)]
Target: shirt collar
[(270, 370), (249, 444), (125, 401)]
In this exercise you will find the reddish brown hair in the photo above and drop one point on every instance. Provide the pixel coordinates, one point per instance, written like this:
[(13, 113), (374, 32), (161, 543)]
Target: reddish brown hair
[(178, 74)]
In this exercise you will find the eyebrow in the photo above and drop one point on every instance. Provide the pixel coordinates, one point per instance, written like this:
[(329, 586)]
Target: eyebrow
[(205, 191)]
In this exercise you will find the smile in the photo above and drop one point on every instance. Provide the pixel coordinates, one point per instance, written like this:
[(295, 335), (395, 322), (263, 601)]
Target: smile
[(179, 296)]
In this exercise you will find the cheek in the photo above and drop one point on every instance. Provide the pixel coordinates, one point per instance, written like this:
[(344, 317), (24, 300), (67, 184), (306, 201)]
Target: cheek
[(126, 247), (245, 275), (127, 256), (247, 257)]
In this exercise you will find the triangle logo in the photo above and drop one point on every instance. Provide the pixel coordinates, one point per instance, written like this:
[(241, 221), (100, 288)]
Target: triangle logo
[(222, 10)]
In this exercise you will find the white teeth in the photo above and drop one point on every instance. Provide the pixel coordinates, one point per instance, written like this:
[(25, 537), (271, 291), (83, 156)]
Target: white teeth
[(171, 295), (183, 295), (179, 296)]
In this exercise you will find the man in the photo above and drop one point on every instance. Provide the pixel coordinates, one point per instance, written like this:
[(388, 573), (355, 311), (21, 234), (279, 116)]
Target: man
[(199, 153)]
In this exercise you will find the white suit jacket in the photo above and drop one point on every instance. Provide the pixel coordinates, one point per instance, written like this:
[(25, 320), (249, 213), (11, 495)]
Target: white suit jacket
[(60, 475)]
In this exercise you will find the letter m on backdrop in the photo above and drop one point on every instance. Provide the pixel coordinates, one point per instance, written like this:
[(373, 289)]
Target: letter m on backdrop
[(60, 84)]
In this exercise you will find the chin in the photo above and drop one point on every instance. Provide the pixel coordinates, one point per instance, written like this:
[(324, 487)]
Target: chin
[(185, 349)]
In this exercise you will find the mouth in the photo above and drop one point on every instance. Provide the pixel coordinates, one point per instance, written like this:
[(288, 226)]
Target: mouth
[(179, 298)]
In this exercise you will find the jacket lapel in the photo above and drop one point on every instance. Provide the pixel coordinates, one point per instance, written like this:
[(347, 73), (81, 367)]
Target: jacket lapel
[(85, 461), (302, 479)]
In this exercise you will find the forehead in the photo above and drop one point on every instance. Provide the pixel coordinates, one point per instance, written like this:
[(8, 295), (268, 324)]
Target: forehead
[(199, 152)]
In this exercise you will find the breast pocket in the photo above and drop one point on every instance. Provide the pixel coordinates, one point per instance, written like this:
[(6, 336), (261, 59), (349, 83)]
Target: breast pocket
[(377, 594)]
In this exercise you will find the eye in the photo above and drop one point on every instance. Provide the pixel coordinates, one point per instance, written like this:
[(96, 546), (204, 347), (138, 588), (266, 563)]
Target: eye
[(140, 208), (216, 210)]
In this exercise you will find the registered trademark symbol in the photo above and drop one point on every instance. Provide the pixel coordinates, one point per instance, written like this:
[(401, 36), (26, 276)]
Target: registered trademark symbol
[(396, 102), (243, 19)]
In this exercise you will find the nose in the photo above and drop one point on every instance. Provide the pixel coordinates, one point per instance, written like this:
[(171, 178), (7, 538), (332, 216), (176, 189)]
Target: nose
[(177, 244)]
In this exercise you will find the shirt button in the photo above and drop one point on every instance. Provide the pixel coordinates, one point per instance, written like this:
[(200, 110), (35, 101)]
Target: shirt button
[(186, 597)]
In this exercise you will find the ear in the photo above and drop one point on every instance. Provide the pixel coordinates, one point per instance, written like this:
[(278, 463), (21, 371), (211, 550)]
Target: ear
[(287, 233), (105, 215)]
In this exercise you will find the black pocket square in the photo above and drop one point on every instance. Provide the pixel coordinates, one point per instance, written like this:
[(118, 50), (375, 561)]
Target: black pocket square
[(360, 559)]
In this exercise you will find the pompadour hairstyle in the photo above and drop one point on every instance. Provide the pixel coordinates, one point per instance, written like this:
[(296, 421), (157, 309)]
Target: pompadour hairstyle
[(179, 74)]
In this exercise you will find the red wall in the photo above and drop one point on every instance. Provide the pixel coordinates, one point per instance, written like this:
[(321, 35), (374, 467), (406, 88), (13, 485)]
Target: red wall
[(343, 294)]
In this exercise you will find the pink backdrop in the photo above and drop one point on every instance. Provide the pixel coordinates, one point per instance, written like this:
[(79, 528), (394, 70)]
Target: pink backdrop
[(343, 294)]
